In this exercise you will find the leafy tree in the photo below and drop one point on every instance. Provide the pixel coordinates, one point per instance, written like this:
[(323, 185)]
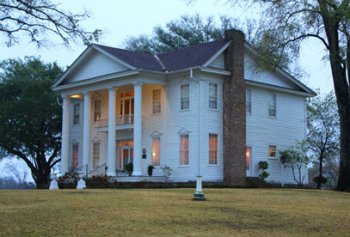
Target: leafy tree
[(286, 24), (296, 159), (186, 31), (38, 19), (323, 131), (30, 119)]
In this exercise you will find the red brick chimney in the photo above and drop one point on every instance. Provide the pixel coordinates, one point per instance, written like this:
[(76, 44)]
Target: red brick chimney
[(234, 111)]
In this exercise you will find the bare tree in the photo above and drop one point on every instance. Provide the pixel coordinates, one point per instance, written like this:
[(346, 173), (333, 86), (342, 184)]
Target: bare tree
[(40, 19)]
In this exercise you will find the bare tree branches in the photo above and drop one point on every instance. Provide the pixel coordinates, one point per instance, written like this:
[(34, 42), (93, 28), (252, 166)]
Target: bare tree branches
[(40, 19)]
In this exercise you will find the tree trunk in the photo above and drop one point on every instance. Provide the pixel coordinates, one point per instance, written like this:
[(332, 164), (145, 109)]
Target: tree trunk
[(344, 166), (320, 176)]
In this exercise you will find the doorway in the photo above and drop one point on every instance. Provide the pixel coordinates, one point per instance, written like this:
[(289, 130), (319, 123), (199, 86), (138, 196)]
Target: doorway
[(126, 154)]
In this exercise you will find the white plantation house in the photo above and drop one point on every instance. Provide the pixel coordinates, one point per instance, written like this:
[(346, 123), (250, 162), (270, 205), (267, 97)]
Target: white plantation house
[(204, 110)]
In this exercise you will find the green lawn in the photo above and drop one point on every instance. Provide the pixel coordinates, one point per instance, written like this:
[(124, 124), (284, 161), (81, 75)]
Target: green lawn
[(171, 212)]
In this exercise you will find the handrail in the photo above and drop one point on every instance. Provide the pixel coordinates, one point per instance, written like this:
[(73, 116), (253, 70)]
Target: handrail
[(119, 120), (82, 169), (99, 168)]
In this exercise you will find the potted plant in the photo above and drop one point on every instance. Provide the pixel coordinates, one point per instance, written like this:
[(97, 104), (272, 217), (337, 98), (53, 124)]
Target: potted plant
[(150, 170), (129, 168)]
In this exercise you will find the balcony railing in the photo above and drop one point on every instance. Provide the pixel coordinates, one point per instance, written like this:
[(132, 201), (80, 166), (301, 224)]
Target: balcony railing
[(119, 120)]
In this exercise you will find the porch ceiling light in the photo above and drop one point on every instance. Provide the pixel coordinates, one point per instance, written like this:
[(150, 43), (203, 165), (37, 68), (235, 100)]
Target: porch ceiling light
[(76, 96)]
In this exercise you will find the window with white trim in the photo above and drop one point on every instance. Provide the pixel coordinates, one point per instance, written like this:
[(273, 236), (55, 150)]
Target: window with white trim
[(213, 96), (213, 149), (185, 97), (156, 151), (272, 105), (272, 151), (75, 155), (97, 110), (76, 113), (184, 149), (156, 104), (248, 101), (248, 157), (96, 154)]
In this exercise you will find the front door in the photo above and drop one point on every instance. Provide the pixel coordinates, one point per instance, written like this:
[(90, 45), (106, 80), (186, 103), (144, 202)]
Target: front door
[(125, 154)]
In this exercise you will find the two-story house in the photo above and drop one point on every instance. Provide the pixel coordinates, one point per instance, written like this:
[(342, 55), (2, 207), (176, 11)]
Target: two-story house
[(203, 110)]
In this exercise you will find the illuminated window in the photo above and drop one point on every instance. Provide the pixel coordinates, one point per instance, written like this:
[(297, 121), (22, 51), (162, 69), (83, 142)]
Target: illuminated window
[(272, 105), (75, 155), (272, 151), (213, 96), (96, 154), (76, 113), (185, 97), (156, 151), (248, 156), (156, 101), (184, 149), (97, 110), (213, 148), (248, 101)]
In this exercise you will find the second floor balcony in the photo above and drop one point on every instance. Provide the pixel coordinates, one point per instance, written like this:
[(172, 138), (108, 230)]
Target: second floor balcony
[(121, 122)]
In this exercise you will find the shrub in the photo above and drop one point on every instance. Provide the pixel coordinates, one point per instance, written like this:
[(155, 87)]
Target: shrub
[(263, 166), (317, 179)]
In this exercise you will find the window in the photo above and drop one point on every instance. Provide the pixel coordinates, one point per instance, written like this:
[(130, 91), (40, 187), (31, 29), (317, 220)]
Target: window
[(248, 156), (185, 97), (97, 110), (272, 105), (184, 149), (213, 148), (75, 155), (156, 101), (248, 101), (272, 151), (76, 113), (156, 151), (96, 154), (213, 96)]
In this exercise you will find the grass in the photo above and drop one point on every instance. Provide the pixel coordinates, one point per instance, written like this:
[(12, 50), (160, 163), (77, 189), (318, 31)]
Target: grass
[(171, 212)]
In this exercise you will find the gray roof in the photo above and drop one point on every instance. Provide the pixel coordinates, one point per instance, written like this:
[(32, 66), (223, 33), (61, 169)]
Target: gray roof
[(193, 56)]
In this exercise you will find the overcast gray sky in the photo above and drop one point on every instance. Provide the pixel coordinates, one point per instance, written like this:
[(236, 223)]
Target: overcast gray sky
[(120, 19)]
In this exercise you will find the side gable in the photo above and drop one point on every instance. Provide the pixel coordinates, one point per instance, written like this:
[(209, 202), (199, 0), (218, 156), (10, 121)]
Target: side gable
[(253, 73)]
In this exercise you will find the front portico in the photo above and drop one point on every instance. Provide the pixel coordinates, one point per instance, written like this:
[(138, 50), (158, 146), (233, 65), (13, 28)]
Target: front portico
[(109, 116)]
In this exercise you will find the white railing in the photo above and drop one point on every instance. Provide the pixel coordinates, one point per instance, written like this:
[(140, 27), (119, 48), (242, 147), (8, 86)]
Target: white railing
[(119, 120)]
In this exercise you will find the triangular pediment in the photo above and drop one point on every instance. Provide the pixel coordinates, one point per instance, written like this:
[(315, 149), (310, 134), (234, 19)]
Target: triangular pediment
[(92, 63)]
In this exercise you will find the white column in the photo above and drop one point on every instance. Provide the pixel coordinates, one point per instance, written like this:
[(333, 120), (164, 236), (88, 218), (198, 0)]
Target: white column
[(65, 135), (137, 128), (111, 132), (86, 128)]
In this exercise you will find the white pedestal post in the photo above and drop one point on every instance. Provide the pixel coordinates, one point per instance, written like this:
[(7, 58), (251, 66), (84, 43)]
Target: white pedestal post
[(137, 129), (199, 195), (81, 182), (111, 132)]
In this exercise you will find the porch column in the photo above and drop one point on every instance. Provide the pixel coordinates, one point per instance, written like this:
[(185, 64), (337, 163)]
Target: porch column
[(137, 128), (86, 128), (65, 135), (111, 132)]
